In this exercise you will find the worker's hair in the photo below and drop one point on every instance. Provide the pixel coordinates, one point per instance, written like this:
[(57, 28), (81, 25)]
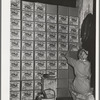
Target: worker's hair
[(80, 52)]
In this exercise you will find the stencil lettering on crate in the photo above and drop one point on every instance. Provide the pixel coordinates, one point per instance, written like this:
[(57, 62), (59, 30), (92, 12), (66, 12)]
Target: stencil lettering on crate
[(15, 34), (63, 46), (39, 45), (51, 45), (14, 75), (14, 95), (51, 55), (73, 20), (40, 36), (62, 65), (39, 26), (51, 27), (73, 29), (51, 36), (73, 37), (63, 37), (15, 24), (63, 28), (63, 19), (51, 64), (15, 14), (51, 18), (15, 4)]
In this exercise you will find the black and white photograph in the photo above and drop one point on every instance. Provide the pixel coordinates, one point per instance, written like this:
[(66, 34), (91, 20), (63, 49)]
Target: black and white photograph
[(50, 50)]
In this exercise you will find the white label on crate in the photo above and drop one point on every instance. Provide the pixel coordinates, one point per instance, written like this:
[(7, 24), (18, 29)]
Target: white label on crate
[(39, 17), (27, 85), (37, 84), (63, 28), (14, 65), (73, 47), (73, 29), (14, 95), (39, 45), (27, 45), (15, 34), (51, 27), (27, 35), (14, 86), (14, 75), (62, 65), (27, 65), (28, 6), (51, 55), (15, 44), (51, 45), (40, 36), (39, 65), (27, 15), (63, 19), (61, 55), (51, 36), (15, 4), (73, 20), (63, 37), (40, 55), (14, 55), (15, 14), (73, 38), (15, 24), (27, 55), (51, 64), (51, 18), (26, 25), (27, 95), (39, 26), (27, 75), (40, 7), (63, 46)]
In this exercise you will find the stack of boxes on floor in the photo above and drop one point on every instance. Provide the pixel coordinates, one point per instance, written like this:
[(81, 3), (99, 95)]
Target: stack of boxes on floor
[(40, 35)]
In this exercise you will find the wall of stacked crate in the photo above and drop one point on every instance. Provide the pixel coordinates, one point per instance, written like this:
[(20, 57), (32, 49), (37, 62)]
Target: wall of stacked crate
[(40, 35)]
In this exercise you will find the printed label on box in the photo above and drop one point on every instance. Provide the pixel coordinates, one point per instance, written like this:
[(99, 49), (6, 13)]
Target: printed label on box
[(15, 44), (73, 29), (63, 19), (63, 46), (73, 20), (28, 6), (26, 15), (27, 65), (51, 18), (39, 45), (15, 14), (39, 73), (14, 55), (15, 24), (27, 25), (27, 95), (73, 47), (39, 65), (14, 75), (40, 7), (27, 35), (40, 55), (63, 28), (61, 55), (15, 34), (27, 55), (51, 45), (40, 36), (15, 4), (14, 65), (39, 17), (27, 45), (27, 75), (39, 26), (51, 27), (51, 55), (37, 84), (14, 86), (27, 85), (63, 37), (51, 64), (51, 36), (73, 38), (62, 65), (14, 95), (52, 73)]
